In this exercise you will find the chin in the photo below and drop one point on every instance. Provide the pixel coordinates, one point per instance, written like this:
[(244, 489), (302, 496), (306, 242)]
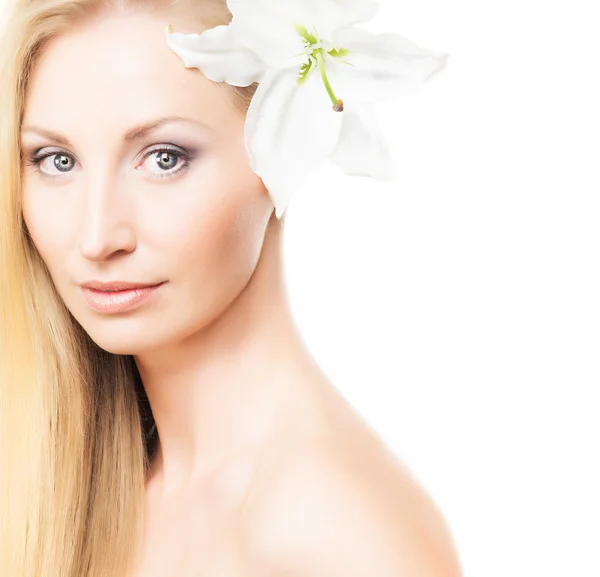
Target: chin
[(119, 345), (121, 336)]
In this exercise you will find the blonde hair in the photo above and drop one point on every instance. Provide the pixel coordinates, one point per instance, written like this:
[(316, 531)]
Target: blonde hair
[(75, 423)]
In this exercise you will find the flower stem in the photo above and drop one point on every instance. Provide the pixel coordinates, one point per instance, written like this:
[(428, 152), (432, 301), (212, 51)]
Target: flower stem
[(338, 105)]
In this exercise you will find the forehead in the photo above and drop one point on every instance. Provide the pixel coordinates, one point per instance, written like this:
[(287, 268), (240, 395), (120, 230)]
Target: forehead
[(114, 72)]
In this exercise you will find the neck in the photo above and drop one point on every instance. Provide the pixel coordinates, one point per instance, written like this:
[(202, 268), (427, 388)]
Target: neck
[(227, 389)]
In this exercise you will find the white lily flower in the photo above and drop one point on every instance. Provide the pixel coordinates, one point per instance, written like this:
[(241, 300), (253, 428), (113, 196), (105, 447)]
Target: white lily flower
[(304, 53)]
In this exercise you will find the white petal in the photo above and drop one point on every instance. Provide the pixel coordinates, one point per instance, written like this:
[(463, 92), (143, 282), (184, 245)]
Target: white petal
[(290, 130), (384, 66), (269, 27), (330, 15), (326, 15), (362, 149), (217, 55)]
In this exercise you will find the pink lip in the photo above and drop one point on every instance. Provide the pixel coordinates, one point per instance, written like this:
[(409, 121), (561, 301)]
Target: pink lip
[(117, 301)]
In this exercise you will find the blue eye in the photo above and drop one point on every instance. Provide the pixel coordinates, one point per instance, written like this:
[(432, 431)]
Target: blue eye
[(36, 159), (165, 154)]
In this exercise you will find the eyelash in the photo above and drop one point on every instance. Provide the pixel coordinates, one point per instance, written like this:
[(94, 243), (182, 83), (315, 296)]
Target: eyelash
[(35, 160)]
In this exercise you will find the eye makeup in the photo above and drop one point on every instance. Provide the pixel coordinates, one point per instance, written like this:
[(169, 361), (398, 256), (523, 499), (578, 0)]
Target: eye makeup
[(187, 156)]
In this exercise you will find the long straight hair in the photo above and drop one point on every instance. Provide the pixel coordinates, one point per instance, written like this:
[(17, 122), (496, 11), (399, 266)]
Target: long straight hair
[(75, 423)]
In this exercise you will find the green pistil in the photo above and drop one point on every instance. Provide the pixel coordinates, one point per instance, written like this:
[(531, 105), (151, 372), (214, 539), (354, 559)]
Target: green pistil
[(338, 105), (317, 56)]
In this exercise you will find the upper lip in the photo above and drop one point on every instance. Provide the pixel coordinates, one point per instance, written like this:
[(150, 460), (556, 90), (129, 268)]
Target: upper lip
[(116, 285)]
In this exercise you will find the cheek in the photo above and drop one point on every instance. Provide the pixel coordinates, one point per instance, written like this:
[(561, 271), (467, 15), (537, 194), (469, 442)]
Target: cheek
[(216, 227), (216, 245), (46, 228), (222, 242)]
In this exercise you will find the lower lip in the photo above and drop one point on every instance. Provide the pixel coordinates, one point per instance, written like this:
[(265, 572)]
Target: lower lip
[(117, 301)]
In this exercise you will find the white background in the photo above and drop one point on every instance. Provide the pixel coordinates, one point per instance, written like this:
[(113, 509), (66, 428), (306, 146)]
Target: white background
[(458, 307)]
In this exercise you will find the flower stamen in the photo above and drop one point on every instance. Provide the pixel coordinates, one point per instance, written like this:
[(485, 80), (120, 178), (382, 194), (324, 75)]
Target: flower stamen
[(338, 104), (316, 49)]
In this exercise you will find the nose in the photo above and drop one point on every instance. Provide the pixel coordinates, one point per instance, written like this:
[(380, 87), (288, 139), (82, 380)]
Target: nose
[(106, 226)]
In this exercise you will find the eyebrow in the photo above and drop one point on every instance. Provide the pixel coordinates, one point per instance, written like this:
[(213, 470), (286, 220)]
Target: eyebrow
[(132, 134)]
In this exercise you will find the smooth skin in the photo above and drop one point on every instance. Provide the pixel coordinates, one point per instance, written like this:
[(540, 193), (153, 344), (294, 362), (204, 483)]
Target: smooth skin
[(263, 468)]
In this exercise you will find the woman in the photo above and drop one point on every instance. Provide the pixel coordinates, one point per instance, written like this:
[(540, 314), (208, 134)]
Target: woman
[(160, 413)]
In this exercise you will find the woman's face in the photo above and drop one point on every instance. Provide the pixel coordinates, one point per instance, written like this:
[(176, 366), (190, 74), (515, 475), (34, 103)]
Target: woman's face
[(105, 205)]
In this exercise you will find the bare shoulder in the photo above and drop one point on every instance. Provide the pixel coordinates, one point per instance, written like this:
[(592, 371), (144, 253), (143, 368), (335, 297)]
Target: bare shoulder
[(347, 507)]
